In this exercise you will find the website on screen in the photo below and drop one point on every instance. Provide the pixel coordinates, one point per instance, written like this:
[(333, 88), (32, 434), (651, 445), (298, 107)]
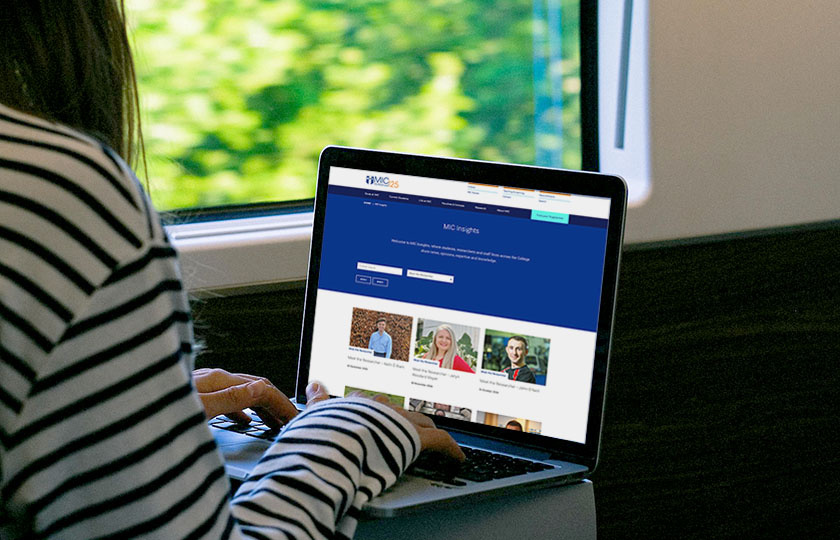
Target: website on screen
[(461, 299)]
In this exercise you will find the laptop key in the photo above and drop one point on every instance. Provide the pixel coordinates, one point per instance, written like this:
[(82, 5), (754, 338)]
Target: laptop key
[(266, 434), (479, 466)]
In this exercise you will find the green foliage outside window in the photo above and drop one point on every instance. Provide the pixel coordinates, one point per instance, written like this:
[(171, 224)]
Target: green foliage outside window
[(240, 96)]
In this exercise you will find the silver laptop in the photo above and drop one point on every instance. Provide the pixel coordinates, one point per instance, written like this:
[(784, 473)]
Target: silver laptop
[(481, 294)]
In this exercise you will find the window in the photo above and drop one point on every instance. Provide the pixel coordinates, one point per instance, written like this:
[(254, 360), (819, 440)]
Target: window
[(624, 118), (240, 96)]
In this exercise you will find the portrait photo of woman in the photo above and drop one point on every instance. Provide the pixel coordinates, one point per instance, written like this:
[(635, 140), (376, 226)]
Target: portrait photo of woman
[(444, 349)]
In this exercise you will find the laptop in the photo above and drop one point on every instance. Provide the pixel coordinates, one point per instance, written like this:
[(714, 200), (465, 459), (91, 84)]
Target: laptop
[(481, 294)]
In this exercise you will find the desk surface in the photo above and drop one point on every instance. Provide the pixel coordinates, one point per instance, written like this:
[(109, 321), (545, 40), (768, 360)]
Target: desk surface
[(721, 400), (721, 415), (547, 513)]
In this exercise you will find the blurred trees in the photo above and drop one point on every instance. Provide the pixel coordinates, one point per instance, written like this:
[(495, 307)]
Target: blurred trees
[(240, 96)]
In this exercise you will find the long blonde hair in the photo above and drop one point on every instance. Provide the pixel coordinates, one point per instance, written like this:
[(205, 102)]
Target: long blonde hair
[(449, 355)]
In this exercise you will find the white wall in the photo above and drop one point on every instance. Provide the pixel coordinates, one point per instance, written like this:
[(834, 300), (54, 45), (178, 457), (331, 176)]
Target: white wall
[(745, 116)]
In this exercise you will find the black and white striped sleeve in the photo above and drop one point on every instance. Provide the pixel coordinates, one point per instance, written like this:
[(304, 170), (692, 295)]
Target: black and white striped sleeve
[(102, 434), (326, 464)]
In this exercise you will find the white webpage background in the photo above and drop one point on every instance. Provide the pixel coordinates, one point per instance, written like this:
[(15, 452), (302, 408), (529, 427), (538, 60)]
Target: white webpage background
[(562, 405)]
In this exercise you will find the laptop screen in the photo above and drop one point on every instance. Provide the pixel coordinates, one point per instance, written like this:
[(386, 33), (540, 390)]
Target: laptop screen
[(466, 298)]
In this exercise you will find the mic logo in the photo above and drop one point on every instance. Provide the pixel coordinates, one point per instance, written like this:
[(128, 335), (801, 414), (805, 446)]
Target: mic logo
[(382, 181)]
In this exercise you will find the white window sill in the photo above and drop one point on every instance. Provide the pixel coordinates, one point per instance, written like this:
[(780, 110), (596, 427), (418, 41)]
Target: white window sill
[(224, 257)]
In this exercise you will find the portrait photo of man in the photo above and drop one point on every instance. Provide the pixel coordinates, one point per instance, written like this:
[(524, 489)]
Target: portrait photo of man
[(521, 358), (512, 423), (380, 341), (381, 334), (517, 352)]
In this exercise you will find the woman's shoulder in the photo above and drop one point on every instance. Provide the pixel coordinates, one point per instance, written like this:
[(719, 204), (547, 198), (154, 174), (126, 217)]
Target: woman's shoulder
[(53, 150), (77, 185), (461, 365)]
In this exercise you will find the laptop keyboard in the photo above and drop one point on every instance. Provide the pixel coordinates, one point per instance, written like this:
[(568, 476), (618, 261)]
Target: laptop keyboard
[(256, 428), (479, 466)]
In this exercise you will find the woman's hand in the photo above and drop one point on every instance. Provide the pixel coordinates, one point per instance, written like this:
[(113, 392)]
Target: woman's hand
[(227, 393), (431, 438)]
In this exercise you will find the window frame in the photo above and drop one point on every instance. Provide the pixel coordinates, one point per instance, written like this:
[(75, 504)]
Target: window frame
[(243, 254)]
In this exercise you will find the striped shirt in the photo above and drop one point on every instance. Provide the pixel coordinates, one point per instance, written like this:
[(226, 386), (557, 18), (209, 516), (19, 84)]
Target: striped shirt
[(102, 434)]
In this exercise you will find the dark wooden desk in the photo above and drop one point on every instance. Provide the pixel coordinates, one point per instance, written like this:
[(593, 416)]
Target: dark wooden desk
[(721, 416)]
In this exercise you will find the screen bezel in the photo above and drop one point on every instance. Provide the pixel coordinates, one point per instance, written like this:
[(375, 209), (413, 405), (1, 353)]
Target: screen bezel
[(577, 182)]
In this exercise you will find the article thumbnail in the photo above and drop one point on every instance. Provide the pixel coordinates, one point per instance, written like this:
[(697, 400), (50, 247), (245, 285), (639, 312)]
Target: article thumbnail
[(394, 399), (522, 358), (439, 409), (386, 335), (453, 346), (508, 422)]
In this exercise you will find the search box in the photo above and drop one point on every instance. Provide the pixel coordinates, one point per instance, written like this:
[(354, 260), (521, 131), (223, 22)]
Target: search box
[(381, 268), (431, 276)]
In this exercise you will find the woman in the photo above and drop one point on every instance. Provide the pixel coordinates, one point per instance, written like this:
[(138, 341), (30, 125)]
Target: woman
[(444, 349), (102, 428)]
